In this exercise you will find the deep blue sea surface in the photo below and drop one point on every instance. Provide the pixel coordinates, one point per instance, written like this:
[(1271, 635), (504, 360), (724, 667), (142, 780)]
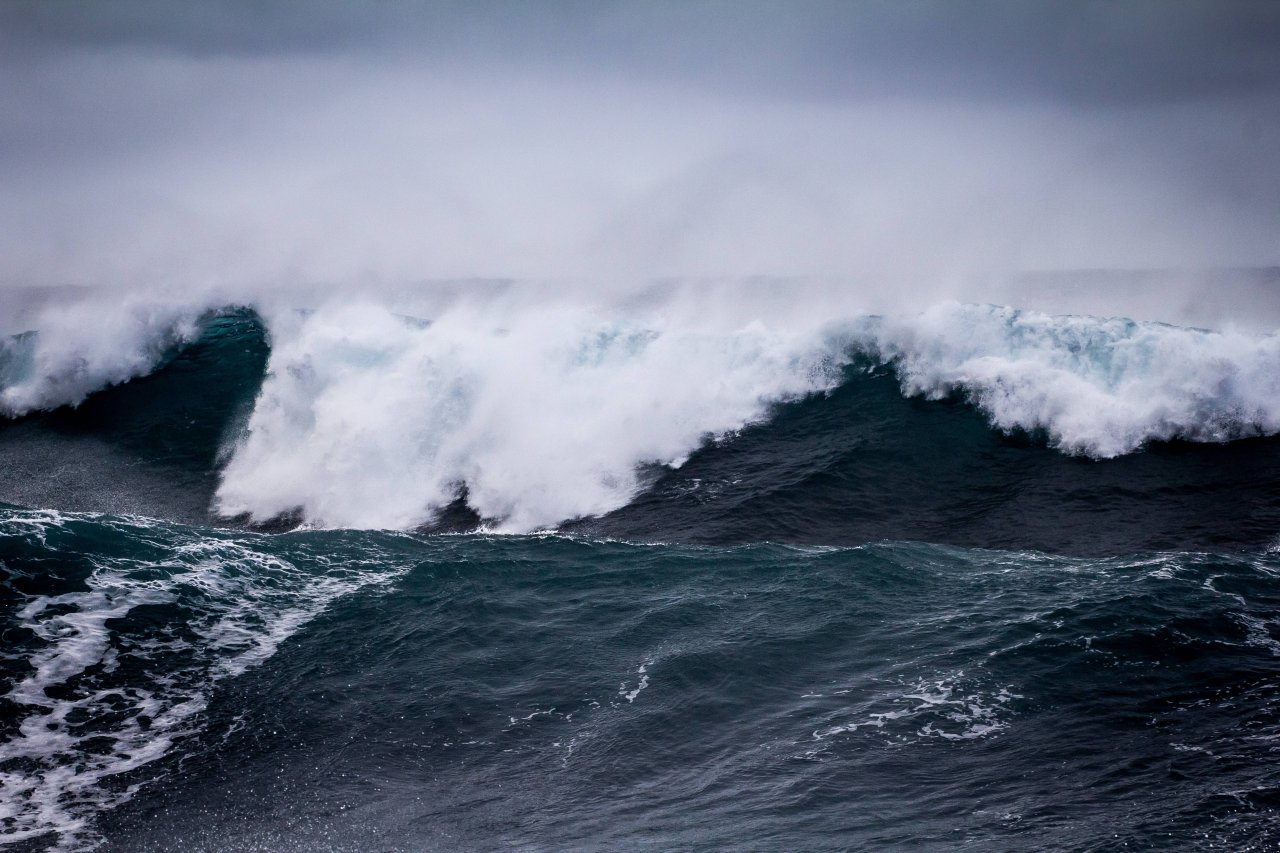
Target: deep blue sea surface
[(911, 601)]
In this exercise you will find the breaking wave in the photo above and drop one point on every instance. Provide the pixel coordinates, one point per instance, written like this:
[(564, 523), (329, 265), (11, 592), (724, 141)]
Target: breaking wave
[(534, 414)]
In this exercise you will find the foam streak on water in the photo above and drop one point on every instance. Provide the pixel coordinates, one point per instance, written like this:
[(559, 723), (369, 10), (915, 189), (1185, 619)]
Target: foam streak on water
[(123, 669)]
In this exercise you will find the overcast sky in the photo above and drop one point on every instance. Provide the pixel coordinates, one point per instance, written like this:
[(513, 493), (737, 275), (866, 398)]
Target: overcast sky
[(1101, 51), (221, 141)]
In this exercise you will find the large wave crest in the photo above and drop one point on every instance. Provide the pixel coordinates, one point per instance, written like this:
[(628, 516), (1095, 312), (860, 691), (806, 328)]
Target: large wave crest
[(369, 419), (536, 411), (1096, 387)]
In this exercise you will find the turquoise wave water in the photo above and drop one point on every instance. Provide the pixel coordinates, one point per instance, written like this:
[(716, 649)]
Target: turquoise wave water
[(857, 463), (863, 620), (170, 686)]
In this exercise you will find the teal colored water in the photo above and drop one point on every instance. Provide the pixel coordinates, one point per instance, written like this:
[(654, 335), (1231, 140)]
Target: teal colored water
[(865, 621), (346, 690)]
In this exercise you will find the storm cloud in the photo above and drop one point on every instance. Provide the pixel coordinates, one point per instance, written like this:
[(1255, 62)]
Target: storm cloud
[(1101, 50), (236, 143)]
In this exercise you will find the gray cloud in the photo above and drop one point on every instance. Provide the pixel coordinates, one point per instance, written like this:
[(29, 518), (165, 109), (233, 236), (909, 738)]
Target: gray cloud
[(238, 141), (1089, 50)]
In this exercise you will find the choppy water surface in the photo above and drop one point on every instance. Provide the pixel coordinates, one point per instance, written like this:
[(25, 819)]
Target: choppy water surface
[(983, 579)]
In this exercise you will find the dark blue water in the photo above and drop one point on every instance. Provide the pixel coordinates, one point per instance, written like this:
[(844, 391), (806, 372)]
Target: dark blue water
[(867, 622)]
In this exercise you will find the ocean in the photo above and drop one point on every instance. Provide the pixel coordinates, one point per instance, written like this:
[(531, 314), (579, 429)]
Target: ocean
[(541, 576)]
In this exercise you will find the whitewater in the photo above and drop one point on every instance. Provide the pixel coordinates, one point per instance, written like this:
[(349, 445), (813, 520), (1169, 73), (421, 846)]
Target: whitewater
[(289, 571), (544, 410), (639, 426)]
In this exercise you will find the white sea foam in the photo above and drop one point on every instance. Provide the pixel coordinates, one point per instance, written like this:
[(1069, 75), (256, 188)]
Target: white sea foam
[(82, 726), (369, 420), (545, 413), (545, 407), (82, 346), (1097, 387), (641, 683), (949, 708)]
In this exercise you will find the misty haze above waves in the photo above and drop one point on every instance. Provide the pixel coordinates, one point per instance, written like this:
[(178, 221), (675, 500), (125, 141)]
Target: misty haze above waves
[(152, 146)]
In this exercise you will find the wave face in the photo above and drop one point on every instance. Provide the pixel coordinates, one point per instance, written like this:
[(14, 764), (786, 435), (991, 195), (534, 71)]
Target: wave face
[(1101, 388), (970, 424), (151, 446), (370, 420), (713, 574), (80, 349), (367, 419)]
